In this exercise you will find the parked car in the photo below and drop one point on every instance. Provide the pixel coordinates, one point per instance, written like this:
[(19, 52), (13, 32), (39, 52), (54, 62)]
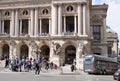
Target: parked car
[(116, 75)]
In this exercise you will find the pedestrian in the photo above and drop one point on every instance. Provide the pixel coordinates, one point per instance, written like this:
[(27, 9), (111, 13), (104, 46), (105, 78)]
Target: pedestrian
[(37, 69), (72, 67), (6, 63), (20, 63), (47, 65), (27, 66), (51, 65)]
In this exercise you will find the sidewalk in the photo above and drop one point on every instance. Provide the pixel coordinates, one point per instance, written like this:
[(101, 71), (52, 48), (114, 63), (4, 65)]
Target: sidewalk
[(46, 72), (43, 71), (64, 70)]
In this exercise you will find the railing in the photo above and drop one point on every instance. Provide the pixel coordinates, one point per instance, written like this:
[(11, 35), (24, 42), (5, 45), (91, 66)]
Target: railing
[(4, 35), (44, 34), (69, 33), (23, 35)]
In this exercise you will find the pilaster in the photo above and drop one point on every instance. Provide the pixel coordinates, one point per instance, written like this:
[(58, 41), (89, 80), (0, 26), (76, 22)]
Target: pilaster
[(49, 26), (64, 24), (84, 18), (54, 20)]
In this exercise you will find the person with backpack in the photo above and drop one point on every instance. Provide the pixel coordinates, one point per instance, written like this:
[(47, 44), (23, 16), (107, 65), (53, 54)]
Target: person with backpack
[(37, 68), (20, 63)]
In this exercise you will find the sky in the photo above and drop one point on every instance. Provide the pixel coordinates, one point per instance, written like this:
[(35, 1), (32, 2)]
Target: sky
[(113, 14)]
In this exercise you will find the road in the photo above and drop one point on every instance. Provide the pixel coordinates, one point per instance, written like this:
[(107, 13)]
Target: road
[(17, 76)]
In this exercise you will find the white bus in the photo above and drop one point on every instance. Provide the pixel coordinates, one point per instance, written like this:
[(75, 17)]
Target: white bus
[(97, 64)]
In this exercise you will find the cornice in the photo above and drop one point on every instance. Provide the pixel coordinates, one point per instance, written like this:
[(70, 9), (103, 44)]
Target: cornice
[(47, 38)]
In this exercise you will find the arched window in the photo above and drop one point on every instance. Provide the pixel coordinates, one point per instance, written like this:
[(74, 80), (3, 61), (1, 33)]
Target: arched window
[(70, 8), (25, 12), (7, 13), (45, 11)]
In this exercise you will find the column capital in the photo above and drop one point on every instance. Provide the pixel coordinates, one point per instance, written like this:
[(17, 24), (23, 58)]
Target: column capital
[(12, 9), (31, 8), (59, 4), (36, 8), (49, 18), (79, 3), (40, 18), (84, 3), (16, 9), (75, 15), (64, 15)]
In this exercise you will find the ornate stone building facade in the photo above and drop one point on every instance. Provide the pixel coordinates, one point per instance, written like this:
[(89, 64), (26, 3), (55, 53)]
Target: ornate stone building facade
[(56, 30)]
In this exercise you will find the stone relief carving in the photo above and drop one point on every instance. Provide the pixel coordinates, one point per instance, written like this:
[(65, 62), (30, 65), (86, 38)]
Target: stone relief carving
[(96, 19), (12, 43), (56, 48), (82, 48), (32, 44)]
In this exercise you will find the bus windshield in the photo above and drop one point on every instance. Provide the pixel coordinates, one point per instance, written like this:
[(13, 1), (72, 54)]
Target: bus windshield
[(88, 60)]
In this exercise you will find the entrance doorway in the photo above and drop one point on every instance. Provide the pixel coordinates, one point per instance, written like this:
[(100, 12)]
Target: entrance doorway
[(70, 54), (5, 51), (45, 52), (24, 52)]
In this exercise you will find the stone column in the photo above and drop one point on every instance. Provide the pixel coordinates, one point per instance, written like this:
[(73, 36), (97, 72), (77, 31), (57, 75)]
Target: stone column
[(40, 25), (59, 19), (29, 26), (12, 24), (36, 22), (16, 23), (75, 24), (3, 27), (64, 24), (32, 22), (20, 27), (84, 18), (88, 21), (0, 27), (79, 19), (49, 26), (54, 20)]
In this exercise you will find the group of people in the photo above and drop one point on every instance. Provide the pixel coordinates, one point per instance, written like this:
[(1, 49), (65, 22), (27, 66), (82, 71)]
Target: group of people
[(29, 64)]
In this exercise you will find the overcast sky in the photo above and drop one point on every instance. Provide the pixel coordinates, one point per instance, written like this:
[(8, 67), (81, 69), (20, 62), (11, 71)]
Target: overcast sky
[(113, 14)]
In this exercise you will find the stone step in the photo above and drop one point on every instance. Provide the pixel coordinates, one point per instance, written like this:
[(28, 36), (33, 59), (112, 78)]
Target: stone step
[(67, 70)]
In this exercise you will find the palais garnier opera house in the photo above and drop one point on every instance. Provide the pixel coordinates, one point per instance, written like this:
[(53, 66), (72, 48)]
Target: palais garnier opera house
[(55, 30)]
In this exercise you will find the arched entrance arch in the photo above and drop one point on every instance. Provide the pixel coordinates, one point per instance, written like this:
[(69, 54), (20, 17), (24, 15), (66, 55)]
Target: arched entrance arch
[(45, 52), (70, 54), (24, 51), (5, 51)]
